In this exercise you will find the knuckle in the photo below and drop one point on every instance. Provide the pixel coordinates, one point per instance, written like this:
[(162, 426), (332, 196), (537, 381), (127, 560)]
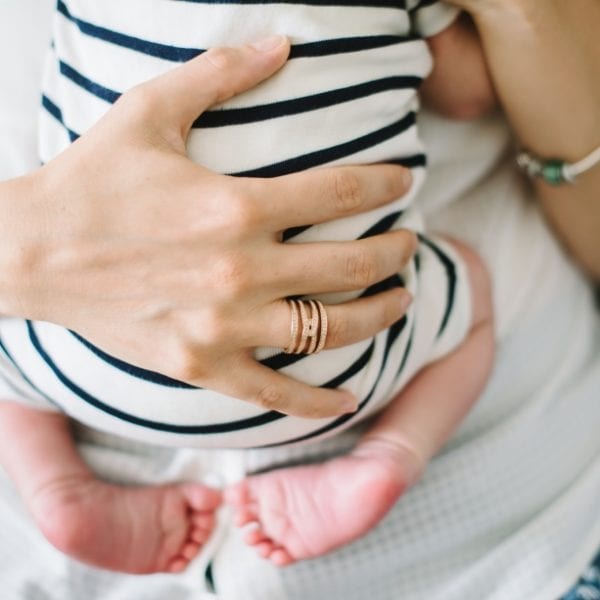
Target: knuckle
[(140, 102), (220, 58), (272, 397), (242, 214), (184, 363), (232, 277), (346, 190), (315, 411), (360, 269)]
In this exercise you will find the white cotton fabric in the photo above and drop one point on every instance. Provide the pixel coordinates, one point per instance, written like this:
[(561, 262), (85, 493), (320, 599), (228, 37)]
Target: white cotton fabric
[(509, 510)]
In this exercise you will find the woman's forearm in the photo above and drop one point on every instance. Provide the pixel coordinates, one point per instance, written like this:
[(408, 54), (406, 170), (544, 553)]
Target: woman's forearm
[(544, 56)]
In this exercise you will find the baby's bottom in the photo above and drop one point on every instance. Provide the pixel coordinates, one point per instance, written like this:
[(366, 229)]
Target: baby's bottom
[(306, 511), (128, 529)]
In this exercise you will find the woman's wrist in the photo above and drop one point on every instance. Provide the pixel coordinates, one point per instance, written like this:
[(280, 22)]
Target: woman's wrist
[(542, 55)]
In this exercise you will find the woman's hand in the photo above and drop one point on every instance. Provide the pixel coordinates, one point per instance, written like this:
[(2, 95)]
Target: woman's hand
[(180, 270)]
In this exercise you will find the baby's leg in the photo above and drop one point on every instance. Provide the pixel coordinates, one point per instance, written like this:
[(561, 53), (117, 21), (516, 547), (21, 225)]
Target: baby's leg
[(128, 529), (306, 511)]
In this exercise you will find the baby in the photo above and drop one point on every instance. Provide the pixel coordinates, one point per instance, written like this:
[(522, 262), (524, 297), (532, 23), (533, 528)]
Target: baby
[(421, 375)]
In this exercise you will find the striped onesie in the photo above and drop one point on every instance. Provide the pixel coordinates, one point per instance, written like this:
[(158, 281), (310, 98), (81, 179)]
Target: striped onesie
[(346, 96)]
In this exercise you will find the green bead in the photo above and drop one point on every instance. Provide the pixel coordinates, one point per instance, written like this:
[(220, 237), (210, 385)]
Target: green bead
[(552, 171)]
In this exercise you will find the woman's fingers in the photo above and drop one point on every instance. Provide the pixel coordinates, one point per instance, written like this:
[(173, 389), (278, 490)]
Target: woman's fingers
[(321, 195), (347, 323), (213, 77), (315, 268), (250, 381)]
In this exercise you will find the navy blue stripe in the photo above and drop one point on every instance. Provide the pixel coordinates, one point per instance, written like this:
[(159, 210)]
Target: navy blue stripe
[(286, 167), (132, 370), (275, 110), (393, 334), (382, 226), (87, 84), (164, 51), (321, 157), (451, 275), (406, 352), (346, 45), (25, 378), (209, 577), (353, 369), (292, 232), (389, 283), (267, 417), (55, 111), (276, 362), (410, 162), (238, 116), (182, 54), (281, 360)]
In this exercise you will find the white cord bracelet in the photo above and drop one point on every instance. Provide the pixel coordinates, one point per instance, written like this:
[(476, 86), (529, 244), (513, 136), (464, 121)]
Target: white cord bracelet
[(555, 171)]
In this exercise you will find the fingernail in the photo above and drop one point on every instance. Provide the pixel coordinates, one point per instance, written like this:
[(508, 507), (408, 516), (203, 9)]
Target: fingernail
[(405, 300), (407, 178), (350, 404), (269, 43)]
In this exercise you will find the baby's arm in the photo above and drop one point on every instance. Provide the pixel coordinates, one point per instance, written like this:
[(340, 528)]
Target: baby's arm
[(424, 414), (459, 85)]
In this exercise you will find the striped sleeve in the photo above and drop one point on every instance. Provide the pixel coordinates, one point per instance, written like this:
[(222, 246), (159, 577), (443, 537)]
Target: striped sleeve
[(430, 17)]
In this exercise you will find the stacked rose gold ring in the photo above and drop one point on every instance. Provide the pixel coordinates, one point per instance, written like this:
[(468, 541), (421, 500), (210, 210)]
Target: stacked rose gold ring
[(308, 327)]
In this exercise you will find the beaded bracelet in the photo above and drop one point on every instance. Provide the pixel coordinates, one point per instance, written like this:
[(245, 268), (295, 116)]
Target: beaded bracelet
[(555, 171)]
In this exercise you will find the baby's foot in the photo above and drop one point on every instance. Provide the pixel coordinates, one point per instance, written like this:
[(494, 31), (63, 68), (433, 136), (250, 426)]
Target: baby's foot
[(128, 529), (304, 512)]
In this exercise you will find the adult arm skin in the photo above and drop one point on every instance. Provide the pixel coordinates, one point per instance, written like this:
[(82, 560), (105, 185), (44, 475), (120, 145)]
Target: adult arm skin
[(544, 57), (125, 240)]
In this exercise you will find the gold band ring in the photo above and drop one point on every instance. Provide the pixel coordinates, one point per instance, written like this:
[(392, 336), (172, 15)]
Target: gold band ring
[(308, 327)]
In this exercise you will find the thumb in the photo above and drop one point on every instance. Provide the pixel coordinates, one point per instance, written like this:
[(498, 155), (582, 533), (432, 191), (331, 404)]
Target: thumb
[(215, 76)]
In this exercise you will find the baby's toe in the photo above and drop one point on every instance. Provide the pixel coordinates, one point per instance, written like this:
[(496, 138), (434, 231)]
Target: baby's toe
[(204, 521), (255, 537), (281, 557), (190, 550), (266, 548), (177, 565), (200, 535), (202, 498)]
